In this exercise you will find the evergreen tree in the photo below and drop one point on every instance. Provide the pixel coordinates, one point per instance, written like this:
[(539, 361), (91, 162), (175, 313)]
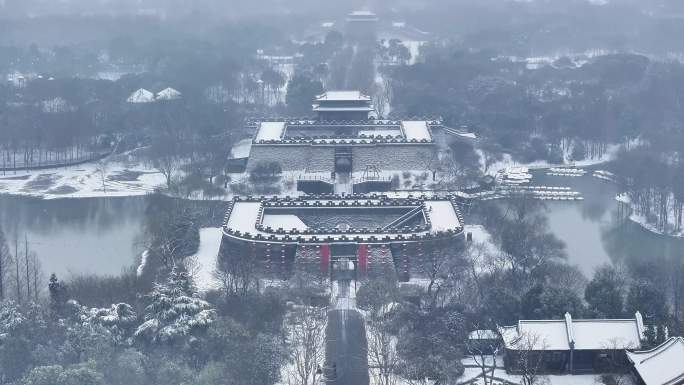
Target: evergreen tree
[(604, 294), (649, 300), (175, 312), (58, 296)]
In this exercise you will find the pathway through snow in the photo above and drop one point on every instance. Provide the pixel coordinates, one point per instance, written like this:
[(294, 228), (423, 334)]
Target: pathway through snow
[(204, 262)]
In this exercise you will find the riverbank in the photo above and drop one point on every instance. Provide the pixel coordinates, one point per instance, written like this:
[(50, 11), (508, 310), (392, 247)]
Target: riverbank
[(643, 221), (120, 178)]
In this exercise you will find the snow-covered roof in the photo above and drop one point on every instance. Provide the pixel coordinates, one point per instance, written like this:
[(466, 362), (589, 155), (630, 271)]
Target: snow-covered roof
[(241, 149), (141, 96), (362, 13), (341, 96), (270, 131), (284, 221), (362, 16), (582, 334), (169, 94), (416, 129), (319, 108), (247, 216), (661, 365)]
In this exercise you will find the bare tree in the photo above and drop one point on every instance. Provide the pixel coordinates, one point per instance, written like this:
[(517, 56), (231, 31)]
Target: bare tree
[(5, 258), (613, 363), (102, 168), (382, 352), (529, 348), (37, 276), (237, 269), (483, 346), (306, 336), (17, 275)]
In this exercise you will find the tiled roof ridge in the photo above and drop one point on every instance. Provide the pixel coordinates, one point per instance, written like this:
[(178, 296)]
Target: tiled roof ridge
[(660, 348)]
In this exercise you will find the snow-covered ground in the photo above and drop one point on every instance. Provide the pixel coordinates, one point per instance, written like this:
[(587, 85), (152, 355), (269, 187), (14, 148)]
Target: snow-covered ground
[(481, 236), (83, 181), (508, 162), (203, 263)]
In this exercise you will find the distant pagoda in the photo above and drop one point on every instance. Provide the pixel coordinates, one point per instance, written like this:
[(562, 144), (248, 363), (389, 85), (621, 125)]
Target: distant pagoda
[(342, 105)]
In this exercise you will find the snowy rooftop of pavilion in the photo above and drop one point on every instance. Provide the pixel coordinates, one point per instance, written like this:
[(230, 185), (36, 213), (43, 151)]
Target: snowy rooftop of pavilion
[(584, 334), (342, 96), (662, 364), (246, 216), (362, 15), (169, 94), (141, 96)]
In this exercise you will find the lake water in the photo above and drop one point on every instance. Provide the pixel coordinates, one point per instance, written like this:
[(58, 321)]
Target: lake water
[(85, 235), (596, 232), (103, 235)]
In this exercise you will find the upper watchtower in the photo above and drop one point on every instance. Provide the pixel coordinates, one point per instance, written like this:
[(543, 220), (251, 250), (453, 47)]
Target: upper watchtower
[(342, 105)]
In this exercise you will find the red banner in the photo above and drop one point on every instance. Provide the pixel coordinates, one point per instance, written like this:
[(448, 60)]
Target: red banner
[(325, 258), (363, 257)]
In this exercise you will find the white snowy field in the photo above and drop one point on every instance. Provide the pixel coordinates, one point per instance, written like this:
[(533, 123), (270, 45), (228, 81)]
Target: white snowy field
[(203, 263), (83, 181)]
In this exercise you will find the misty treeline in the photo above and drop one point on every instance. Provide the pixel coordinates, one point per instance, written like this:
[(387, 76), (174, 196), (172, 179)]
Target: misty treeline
[(59, 112), (556, 111)]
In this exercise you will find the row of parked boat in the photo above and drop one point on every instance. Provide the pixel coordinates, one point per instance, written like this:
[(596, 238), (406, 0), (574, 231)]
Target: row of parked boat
[(604, 175), (565, 171)]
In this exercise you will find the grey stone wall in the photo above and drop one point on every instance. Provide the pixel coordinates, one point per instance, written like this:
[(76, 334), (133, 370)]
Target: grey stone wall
[(322, 158), (293, 158), (393, 157)]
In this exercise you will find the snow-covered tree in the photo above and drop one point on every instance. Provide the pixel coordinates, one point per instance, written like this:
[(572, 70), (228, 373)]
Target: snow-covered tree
[(20, 325), (118, 320), (175, 311)]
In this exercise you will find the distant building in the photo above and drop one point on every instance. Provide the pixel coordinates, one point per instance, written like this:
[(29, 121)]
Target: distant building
[(362, 26), (570, 346), (169, 94), (662, 365), (141, 96)]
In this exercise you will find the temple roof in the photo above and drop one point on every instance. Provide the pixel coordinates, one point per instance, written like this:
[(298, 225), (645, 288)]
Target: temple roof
[(141, 96), (342, 96), (580, 334), (661, 365)]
